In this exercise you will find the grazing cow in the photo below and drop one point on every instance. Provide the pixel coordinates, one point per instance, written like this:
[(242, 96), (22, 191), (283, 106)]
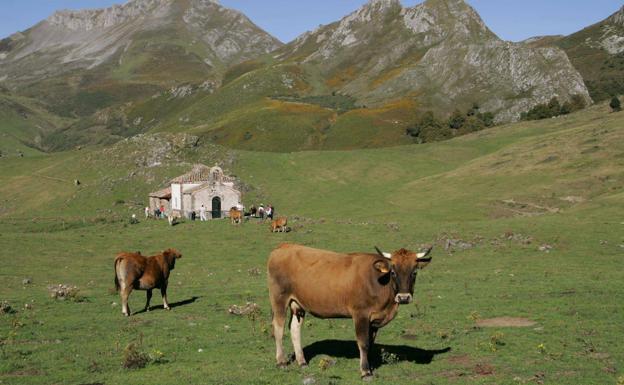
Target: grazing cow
[(279, 225), (236, 216), (365, 287), (134, 271)]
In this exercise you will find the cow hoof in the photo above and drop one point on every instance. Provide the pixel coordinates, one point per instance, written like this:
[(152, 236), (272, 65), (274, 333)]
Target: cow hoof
[(282, 365), (367, 377), (303, 364), (167, 308)]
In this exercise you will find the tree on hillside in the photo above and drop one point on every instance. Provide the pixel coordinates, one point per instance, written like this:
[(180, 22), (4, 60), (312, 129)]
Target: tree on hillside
[(487, 118), (615, 104), (554, 106), (429, 129), (472, 124), (456, 121), (577, 103), (474, 110)]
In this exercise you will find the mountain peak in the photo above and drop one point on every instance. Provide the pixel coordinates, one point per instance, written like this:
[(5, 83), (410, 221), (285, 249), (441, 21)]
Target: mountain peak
[(381, 3), (441, 17), (617, 17)]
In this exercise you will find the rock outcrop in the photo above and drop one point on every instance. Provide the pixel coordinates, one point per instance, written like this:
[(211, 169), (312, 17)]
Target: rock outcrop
[(440, 52)]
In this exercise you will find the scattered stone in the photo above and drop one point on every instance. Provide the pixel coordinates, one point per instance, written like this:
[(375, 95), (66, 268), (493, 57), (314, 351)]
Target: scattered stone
[(393, 226), (249, 308), (326, 362), (452, 244), (545, 248), (573, 199), (26, 281), (309, 380), (538, 378), (200, 350), (520, 238), (76, 182), (5, 308), (28, 306), (180, 92), (62, 292), (253, 272)]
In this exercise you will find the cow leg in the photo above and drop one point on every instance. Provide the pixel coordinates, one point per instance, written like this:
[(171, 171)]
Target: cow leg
[(149, 298), (362, 333), (125, 293), (163, 292), (296, 323), (279, 318), (373, 334)]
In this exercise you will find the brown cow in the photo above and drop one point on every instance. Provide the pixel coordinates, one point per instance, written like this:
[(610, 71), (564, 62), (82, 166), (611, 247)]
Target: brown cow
[(134, 271), (279, 225), (365, 287), (236, 216)]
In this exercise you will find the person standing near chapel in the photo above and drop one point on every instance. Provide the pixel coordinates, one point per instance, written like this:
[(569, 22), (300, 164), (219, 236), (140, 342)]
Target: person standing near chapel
[(202, 213)]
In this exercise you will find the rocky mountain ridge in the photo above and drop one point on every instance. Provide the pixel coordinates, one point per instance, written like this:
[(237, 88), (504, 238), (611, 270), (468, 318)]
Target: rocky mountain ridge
[(193, 65), (441, 49), (157, 43), (598, 53)]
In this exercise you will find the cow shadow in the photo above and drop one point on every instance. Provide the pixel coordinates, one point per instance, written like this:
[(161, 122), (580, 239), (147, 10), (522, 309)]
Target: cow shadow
[(349, 349), (171, 305)]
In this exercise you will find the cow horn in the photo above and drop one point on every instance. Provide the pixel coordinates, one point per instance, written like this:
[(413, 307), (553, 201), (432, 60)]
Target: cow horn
[(381, 253), (421, 256)]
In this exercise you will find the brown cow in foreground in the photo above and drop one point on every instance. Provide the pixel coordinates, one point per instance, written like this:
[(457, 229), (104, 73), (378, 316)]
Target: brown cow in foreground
[(134, 271), (279, 225), (365, 287)]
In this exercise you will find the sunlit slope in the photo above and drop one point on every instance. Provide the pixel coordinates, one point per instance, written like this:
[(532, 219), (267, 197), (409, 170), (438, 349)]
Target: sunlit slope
[(525, 169), (23, 124)]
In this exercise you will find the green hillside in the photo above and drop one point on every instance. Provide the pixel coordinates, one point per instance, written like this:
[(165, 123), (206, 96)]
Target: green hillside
[(526, 220), (24, 123)]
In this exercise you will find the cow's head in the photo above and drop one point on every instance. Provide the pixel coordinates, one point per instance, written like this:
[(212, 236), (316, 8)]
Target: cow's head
[(170, 256), (401, 268)]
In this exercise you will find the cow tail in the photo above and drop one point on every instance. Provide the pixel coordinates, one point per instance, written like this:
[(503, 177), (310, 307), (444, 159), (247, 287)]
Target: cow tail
[(117, 287)]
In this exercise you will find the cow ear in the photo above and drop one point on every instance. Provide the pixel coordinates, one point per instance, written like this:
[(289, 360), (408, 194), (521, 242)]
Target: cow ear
[(382, 266)]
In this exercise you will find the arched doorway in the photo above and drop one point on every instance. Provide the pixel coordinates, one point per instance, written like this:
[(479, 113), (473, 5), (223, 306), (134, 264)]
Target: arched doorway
[(216, 208)]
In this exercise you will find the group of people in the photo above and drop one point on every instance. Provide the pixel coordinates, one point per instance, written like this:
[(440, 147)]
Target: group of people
[(159, 212), (262, 212)]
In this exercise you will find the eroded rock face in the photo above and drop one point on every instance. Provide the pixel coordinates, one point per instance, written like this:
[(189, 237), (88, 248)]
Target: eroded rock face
[(440, 50), (86, 39)]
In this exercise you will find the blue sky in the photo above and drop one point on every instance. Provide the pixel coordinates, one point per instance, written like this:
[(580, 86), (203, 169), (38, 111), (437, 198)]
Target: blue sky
[(286, 19)]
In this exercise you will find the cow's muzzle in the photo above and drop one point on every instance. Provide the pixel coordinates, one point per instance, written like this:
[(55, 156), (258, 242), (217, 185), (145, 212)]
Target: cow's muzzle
[(403, 299)]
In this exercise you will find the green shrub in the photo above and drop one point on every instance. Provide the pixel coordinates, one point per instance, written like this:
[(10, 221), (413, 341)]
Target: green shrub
[(615, 104)]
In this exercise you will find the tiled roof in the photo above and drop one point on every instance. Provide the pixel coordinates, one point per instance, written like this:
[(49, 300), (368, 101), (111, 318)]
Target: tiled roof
[(162, 194), (198, 174)]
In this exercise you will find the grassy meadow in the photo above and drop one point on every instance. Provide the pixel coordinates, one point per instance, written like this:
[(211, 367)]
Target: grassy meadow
[(527, 221)]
